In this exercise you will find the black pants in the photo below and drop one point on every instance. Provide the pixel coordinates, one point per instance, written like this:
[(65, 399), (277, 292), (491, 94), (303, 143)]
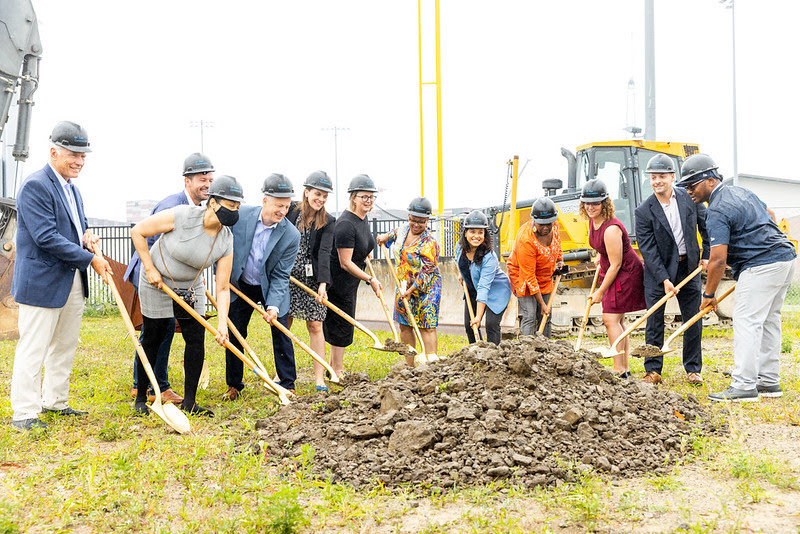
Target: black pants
[(154, 331), (689, 298), (240, 313), (492, 322)]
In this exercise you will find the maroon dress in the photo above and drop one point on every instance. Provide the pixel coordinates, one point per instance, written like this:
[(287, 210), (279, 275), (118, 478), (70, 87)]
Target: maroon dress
[(626, 293)]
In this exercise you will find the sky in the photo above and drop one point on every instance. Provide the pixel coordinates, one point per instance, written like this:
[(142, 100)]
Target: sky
[(518, 77)]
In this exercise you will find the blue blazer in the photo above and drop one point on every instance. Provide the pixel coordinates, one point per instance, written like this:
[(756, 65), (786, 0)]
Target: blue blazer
[(277, 262), (132, 272), (491, 283), (657, 243), (49, 248)]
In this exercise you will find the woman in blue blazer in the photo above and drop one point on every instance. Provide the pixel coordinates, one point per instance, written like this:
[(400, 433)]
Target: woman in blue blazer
[(479, 267)]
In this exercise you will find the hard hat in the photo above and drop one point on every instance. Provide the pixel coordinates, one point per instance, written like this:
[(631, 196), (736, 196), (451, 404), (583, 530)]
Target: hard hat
[(476, 219), (71, 136), (362, 182), (420, 207), (544, 211), (277, 185), (697, 168), (594, 191), (319, 180), (197, 163), (226, 187), (660, 163)]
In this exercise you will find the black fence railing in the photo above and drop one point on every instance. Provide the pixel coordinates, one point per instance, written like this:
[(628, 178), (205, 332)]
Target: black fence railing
[(445, 231)]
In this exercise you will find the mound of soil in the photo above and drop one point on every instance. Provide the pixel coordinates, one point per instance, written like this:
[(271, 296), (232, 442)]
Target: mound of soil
[(531, 410)]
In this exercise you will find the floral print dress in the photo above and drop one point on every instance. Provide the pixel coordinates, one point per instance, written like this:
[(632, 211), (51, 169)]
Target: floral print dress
[(418, 264)]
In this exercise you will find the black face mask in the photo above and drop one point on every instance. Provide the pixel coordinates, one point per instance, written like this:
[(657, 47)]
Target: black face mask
[(227, 217)]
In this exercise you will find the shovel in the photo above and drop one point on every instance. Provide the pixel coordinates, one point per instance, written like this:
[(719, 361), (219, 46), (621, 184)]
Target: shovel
[(588, 309), (383, 304), (546, 316), (427, 358), (475, 329), (282, 393), (685, 326), (612, 351), (377, 345), (288, 333), (169, 413), (235, 331)]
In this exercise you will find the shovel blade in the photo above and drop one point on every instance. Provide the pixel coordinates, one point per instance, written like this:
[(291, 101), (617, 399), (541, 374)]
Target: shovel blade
[(172, 415), (603, 354)]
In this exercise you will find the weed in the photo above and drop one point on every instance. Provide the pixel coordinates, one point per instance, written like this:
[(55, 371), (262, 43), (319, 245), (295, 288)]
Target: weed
[(666, 482)]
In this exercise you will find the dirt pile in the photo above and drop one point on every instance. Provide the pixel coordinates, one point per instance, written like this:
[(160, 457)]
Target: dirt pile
[(526, 411)]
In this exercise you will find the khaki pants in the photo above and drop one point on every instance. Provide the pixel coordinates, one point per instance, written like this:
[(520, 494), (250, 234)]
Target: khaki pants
[(49, 337)]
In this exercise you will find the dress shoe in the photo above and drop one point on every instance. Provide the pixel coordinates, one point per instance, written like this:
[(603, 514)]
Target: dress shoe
[(694, 378), (29, 424), (133, 392), (151, 396), (231, 395), (197, 410), (140, 407), (169, 396), (652, 377), (66, 411)]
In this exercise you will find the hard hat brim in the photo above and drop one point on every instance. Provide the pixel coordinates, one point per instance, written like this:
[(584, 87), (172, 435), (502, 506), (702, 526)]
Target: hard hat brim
[(548, 220), (419, 214), (589, 200)]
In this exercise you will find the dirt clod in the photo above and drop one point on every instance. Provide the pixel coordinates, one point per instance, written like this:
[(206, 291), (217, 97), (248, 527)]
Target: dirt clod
[(401, 348), (646, 351), (531, 410)]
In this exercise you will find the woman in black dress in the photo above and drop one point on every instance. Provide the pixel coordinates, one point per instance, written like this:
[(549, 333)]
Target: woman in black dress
[(312, 266), (353, 242)]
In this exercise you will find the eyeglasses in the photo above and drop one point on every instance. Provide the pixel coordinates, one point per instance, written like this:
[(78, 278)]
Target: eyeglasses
[(592, 204), (690, 187), (367, 198), (415, 220)]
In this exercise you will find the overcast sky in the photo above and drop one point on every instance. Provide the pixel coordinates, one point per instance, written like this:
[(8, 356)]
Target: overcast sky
[(518, 77)]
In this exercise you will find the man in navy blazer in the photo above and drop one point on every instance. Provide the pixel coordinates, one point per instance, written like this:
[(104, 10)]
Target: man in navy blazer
[(264, 250), (666, 228), (50, 279), (198, 173)]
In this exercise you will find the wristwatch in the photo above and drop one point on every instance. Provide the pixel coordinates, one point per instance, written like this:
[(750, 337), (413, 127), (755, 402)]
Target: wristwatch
[(708, 296), (368, 282)]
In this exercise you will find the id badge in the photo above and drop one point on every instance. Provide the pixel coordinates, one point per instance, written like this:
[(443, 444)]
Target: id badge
[(309, 270)]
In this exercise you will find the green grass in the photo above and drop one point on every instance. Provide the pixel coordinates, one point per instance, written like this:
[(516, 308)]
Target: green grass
[(113, 471)]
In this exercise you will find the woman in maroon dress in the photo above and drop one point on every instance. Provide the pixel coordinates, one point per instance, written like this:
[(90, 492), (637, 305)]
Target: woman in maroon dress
[(621, 271)]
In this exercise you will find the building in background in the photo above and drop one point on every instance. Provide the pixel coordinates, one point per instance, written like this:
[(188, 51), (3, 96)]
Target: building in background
[(138, 210)]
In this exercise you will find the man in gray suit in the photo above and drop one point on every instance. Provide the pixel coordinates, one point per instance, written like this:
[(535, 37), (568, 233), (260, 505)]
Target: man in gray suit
[(666, 231)]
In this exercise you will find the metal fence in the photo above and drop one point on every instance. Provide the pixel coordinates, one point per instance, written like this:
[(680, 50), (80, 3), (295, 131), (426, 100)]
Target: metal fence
[(445, 231)]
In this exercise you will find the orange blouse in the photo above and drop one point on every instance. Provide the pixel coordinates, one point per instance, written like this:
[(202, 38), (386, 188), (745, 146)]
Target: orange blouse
[(532, 264)]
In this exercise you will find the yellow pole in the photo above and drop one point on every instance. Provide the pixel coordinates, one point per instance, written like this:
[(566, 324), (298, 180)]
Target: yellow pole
[(513, 227), (421, 143), (439, 109)]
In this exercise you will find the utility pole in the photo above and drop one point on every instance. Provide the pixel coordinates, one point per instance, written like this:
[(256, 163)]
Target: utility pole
[(336, 130), (731, 4), (649, 72), (202, 125)]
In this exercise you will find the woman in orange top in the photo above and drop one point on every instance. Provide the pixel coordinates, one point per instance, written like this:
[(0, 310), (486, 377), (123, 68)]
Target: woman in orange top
[(534, 259)]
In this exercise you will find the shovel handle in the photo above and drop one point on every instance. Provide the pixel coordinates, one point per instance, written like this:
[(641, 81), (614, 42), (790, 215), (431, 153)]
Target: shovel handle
[(588, 309), (652, 309), (405, 302), (288, 333), (475, 329), (238, 335), (685, 326), (338, 311), (384, 305), (546, 316), (276, 388)]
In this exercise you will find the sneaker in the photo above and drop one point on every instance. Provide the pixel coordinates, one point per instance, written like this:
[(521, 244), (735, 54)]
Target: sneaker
[(29, 424), (66, 411), (324, 389), (769, 391), (735, 395), (652, 377)]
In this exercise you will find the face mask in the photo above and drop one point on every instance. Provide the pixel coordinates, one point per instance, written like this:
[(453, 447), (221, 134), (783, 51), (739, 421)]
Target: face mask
[(227, 217)]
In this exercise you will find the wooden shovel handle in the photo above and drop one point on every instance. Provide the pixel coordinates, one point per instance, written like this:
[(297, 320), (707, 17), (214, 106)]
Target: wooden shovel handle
[(470, 310), (588, 309), (277, 324), (384, 305), (546, 316), (405, 301), (242, 341), (685, 326)]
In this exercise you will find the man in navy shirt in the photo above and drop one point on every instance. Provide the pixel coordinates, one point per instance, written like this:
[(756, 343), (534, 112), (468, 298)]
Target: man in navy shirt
[(743, 234)]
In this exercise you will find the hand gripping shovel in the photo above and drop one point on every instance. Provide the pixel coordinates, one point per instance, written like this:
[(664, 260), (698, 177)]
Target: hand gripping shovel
[(428, 358), (545, 317), (235, 331), (588, 309), (612, 351), (383, 304), (666, 348), (169, 413), (282, 393), (377, 343), (334, 377), (475, 329)]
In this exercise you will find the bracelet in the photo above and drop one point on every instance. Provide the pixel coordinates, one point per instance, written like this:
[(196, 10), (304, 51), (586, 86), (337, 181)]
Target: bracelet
[(368, 282), (708, 296)]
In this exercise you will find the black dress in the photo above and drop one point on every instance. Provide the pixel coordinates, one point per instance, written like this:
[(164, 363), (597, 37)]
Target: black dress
[(351, 232)]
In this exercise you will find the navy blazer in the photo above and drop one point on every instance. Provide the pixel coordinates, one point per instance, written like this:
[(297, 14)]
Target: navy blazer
[(277, 261), (49, 248), (132, 272), (321, 244), (657, 243)]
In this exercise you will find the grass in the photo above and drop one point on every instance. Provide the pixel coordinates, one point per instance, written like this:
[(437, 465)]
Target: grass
[(113, 471)]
